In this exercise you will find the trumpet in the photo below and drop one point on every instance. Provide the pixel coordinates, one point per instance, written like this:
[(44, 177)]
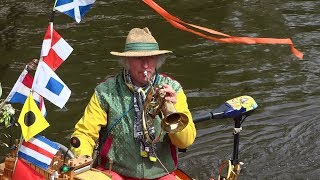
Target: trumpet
[(173, 121), (155, 104)]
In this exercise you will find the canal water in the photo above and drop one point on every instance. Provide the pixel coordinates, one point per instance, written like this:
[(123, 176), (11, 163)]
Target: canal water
[(280, 140)]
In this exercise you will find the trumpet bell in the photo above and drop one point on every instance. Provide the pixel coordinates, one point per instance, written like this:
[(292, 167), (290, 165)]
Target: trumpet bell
[(174, 122)]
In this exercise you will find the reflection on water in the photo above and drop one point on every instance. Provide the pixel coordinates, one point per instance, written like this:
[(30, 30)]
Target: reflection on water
[(8, 27), (279, 141)]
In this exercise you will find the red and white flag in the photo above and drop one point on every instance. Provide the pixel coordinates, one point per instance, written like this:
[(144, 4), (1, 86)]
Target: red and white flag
[(21, 91), (55, 50)]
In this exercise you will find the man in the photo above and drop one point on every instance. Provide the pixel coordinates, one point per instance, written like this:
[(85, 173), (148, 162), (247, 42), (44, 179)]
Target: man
[(132, 144)]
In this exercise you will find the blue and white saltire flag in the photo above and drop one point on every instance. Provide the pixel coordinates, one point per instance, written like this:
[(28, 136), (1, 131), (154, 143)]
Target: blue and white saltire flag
[(50, 86), (39, 151), (74, 8)]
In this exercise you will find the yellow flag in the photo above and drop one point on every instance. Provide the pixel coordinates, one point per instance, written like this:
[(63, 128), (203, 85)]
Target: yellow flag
[(31, 119)]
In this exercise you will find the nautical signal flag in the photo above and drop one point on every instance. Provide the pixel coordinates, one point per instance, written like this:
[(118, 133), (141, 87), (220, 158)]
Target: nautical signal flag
[(21, 90), (31, 120), (55, 50), (39, 151), (50, 86), (76, 9)]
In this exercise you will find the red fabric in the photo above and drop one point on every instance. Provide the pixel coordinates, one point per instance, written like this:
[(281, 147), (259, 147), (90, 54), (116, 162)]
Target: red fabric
[(105, 149), (28, 80), (168, 177), (38, 149), (25, 172), (116, 176), (174, 154), (55, 56), (53, 60)]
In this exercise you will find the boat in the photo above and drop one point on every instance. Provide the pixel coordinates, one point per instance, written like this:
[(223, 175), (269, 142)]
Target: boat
[(79, 168), (65, 166)]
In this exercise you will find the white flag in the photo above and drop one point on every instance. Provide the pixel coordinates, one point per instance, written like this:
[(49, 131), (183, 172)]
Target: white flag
[(50, 86)]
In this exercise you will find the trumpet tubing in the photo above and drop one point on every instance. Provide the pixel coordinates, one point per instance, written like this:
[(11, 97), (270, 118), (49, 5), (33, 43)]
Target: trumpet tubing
[(171, 120)]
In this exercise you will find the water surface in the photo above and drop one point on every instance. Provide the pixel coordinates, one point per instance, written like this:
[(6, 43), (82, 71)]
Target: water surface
[(279, 141)]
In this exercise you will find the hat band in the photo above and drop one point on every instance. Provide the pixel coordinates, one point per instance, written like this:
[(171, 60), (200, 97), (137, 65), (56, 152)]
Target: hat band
[(141, 46)]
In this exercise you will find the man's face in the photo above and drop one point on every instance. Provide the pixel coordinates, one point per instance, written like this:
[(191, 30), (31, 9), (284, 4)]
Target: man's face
[(137, 67)]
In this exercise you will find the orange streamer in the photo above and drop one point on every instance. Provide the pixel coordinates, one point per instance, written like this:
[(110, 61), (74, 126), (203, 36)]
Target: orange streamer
[(177, 23)]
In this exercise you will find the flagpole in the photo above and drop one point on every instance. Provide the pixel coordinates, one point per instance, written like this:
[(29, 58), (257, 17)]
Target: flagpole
[(53, 11), (15, 163), (3, 103), (51, 25)]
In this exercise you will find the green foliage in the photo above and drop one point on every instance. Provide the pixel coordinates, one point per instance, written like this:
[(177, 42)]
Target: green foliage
[(6, 112)]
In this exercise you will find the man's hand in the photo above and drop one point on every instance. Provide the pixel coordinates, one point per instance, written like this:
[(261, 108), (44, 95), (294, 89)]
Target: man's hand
[(170, 93)]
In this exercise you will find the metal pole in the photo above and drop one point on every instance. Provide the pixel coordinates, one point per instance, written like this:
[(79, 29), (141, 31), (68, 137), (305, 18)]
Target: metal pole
[(236, 138)]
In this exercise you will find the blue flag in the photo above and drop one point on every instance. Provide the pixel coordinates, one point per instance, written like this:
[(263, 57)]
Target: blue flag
[(74, 8)]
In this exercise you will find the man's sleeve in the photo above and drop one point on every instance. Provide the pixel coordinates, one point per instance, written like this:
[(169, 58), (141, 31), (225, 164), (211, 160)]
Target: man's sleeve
[(88, 127), (186, 137)]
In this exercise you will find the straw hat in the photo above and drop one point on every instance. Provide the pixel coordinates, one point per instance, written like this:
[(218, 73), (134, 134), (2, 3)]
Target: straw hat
[(140, 42)]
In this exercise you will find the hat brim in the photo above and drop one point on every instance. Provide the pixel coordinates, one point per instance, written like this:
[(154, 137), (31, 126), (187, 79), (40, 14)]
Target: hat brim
[(140, 53)]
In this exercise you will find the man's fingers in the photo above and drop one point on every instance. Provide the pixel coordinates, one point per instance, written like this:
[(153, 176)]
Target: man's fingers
[(170, 93)]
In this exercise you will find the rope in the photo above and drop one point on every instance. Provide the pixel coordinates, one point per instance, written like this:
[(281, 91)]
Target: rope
[(114, 123), (164, 168)]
